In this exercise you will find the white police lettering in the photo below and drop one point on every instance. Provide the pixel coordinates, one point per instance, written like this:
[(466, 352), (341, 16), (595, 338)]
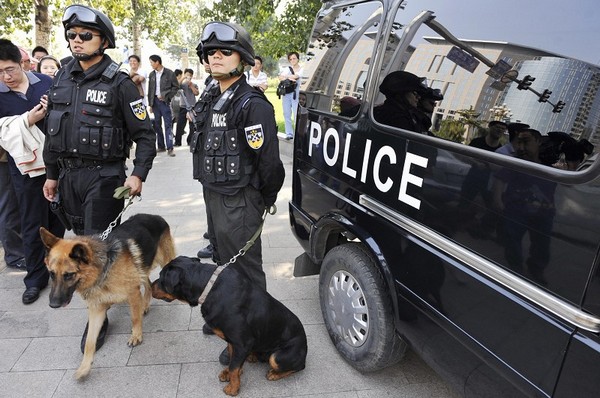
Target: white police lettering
[(219, 120), (329, 144), (96, 96)]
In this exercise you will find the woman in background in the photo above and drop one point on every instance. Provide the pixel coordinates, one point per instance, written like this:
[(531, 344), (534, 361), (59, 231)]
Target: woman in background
[(290, 100)]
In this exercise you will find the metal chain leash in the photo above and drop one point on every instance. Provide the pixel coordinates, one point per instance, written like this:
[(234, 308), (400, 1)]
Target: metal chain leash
[(268, 210), (120, 193)]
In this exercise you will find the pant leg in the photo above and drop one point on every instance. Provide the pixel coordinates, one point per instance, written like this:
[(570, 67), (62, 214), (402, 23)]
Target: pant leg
[(181, 122), (287, 114), (10, 219), (158, 120), (35, 213), (88, 195), (234, 220), (168, 125)]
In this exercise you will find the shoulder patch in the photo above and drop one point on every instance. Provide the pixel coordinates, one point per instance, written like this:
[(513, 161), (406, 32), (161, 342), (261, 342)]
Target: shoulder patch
[(138, 108), (255, 136)]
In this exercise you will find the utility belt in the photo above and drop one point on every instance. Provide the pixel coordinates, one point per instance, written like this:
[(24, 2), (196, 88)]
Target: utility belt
[(80, 163)]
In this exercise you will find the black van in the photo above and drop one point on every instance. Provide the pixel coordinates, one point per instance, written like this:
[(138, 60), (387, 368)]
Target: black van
[(427, 235)]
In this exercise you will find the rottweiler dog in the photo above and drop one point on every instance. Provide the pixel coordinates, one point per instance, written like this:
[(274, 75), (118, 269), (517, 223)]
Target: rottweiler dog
[(108, 272), (254, 324)]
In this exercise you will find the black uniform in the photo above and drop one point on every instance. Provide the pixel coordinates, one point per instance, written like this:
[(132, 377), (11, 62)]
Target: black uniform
[(93, 118), (236, 158)]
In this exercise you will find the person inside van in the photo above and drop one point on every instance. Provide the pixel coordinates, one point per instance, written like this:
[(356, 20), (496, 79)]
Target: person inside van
[(402, 91), (427, 104)]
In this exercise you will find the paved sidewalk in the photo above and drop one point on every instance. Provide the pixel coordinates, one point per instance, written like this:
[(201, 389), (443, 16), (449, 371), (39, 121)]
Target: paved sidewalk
[(39, 346)]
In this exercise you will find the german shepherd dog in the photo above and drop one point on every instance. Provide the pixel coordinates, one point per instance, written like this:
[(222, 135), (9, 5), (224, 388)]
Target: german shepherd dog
[(108, 272), (254, 324)]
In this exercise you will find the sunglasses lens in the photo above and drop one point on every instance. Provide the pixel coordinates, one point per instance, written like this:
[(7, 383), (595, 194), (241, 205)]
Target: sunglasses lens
[(225, 51), (85, 36)]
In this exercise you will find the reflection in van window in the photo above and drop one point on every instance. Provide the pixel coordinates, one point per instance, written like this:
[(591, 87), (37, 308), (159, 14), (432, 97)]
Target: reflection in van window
[(342, 36), (547, 91)]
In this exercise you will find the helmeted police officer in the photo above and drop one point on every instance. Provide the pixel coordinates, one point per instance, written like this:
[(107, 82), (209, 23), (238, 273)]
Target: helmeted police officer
[(95, 112), (236, 152), (402, 91)]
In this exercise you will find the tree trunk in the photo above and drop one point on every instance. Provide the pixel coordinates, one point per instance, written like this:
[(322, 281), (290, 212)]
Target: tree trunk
[(43, 24), (136, 30)]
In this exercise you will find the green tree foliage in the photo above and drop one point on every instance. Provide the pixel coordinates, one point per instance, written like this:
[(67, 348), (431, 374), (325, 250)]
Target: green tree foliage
[(16, 14), (273, 36), (451, 129)]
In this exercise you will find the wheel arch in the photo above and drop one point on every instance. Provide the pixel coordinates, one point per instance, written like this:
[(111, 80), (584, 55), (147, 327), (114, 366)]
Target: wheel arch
[(334, 229)]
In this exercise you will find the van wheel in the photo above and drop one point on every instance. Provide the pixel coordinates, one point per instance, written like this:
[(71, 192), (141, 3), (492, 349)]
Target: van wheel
[(357, 309)]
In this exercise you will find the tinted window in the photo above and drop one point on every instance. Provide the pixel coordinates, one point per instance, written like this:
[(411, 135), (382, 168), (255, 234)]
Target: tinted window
[(341, 37)]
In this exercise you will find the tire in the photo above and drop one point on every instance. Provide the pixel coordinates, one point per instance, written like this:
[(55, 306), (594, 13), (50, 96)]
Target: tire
[(357, 309)]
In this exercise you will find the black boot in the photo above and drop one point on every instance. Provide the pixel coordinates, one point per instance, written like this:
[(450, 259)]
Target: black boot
[(101, 335)]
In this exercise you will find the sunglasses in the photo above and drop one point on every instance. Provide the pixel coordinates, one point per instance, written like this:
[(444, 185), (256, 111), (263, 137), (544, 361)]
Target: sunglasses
[(225, 51), (85, 36)]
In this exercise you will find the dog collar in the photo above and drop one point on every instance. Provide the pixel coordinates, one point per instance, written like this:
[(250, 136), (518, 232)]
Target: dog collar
[(210, 283)]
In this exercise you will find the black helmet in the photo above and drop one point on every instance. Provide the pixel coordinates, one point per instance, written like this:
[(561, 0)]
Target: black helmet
[(400, 82), (229, 36), (79, 15)]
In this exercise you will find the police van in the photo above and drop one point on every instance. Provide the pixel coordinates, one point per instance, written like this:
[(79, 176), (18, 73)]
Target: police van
[(483, 261)]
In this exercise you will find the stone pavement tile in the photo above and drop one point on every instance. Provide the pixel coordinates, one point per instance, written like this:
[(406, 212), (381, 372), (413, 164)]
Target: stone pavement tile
[(41, 384), (43, 323), (46, 353), (124, 382), (204, 377), (11, 349), (294, 288), (281, 254), (308, 310), (160, 318), (278, 270), (426, 390), (11, 278), (176, 347)]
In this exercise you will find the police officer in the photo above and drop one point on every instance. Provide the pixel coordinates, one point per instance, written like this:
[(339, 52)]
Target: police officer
[(95, 112), (402, 91), (236, 152)]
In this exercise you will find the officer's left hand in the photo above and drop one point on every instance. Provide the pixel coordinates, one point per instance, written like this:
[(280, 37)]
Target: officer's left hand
[(135, 183)]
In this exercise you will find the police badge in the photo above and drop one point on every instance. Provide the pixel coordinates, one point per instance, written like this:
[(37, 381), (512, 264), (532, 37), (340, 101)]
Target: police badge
[(138, 108), (255, 136)]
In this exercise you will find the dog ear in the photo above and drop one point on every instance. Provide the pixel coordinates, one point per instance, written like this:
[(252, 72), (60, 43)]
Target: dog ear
[(79, 253), (48, 238)]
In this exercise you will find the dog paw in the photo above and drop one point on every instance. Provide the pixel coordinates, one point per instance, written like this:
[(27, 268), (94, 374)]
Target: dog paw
[(224, 375), (231, 390), (134, 340), (82, 372), (252, 358)]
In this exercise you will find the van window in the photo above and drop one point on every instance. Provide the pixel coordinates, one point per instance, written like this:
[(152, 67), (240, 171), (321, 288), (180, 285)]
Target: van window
[(342, 36), (561, 103)]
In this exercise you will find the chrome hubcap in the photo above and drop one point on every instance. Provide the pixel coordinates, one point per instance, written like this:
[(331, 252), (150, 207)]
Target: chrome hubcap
[(347, 306)]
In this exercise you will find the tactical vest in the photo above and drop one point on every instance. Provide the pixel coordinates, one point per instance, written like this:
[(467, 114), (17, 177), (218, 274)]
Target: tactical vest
[(223, 160), (84, 120)]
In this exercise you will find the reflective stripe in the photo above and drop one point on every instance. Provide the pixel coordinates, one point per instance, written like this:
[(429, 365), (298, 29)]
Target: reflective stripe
[(527, 290)]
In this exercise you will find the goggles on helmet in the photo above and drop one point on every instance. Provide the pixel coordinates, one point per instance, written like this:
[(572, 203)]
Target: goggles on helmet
[(82, 14), (221, 31)]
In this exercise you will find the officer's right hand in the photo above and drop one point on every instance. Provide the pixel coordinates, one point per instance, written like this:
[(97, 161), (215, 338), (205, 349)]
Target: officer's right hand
[(50, 189)]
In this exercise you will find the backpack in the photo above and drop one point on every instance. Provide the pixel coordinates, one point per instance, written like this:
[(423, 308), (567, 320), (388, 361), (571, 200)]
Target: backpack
[(287, 86)]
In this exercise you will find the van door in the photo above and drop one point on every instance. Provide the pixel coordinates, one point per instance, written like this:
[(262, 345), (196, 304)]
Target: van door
[(492, 252)]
